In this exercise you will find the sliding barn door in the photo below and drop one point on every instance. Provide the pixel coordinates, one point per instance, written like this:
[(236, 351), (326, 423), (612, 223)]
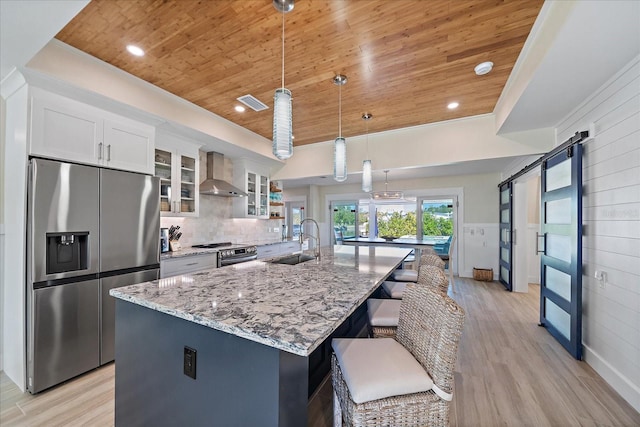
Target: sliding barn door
[(561, 251), (506, 227)]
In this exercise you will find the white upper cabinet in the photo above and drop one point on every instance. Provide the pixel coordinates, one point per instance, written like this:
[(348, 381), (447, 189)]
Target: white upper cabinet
[(128, 145), (65, 129), (253, 179), (177, 164)]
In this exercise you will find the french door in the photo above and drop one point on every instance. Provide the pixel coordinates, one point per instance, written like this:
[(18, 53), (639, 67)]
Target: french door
[(561, 248), (506, 227), (344, 219)]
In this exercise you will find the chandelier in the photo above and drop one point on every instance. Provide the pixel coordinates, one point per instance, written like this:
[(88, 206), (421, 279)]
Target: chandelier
[(387, 194)]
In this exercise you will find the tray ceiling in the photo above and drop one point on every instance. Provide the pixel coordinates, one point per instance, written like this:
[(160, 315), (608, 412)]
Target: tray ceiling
[(405, 59)]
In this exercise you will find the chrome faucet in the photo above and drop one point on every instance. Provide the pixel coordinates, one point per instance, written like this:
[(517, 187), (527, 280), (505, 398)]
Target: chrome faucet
[(317, 239)]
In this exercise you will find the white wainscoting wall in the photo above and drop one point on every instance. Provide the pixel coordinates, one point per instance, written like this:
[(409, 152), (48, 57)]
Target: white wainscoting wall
[(480, 248), (611, 218)]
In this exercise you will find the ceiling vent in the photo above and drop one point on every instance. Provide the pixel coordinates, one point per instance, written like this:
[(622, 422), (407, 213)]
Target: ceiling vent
[(252, 102)]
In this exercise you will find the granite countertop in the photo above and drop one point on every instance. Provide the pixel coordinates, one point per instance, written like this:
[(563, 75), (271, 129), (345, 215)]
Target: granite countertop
[(189, 251), (290, 307)]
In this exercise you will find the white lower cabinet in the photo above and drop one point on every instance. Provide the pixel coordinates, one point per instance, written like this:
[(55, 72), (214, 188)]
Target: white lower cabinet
[(66, 129), (276, 249), (187, 264)]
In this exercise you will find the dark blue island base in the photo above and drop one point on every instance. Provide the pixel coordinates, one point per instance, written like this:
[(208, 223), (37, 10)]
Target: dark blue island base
[(238, 382)]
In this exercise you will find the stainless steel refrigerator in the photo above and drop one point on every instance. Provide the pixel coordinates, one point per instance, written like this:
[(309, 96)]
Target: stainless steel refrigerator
[(89, 230)]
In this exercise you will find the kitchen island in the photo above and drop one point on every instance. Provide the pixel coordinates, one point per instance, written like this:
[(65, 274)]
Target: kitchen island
[(261, 334)]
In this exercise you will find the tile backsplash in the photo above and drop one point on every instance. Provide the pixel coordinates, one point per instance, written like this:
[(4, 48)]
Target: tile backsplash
[(215, 222)]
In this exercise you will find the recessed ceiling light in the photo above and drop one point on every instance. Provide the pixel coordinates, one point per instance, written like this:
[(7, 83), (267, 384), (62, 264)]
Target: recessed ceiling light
[(483, 68), (135, 50), (240, 108), (453, 105)]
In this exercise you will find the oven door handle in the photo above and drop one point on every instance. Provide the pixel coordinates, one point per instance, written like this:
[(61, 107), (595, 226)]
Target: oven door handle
[(230, 261)]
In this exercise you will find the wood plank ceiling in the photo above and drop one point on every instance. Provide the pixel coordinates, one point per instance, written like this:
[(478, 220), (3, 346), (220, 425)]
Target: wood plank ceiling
[(405, 59)]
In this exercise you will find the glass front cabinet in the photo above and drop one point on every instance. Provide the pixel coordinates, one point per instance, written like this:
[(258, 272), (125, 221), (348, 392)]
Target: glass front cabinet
[(255, 183), (177, 166)]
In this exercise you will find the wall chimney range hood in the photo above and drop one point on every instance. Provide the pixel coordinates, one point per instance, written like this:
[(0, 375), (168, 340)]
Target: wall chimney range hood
[(215, 184)]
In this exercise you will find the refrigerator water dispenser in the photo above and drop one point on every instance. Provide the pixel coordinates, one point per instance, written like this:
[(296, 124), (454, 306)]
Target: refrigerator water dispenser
[(67, 252)]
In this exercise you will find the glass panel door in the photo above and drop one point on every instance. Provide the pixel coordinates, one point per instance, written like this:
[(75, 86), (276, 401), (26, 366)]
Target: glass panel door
[(344, 220), (252, 192), (264, 196), (163, 171), (561, 258), (187, 184), (437, 220), (506, 248), (294, 212)]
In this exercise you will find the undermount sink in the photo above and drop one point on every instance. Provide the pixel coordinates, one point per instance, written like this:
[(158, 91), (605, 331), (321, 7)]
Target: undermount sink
[(292, 259)]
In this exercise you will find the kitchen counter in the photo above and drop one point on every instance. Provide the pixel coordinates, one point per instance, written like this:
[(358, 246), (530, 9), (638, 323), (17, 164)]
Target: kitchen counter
[(243, 345), (188, 251), (292, 308)]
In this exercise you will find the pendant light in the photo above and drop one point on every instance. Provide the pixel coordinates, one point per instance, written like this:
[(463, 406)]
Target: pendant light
[(367, 184), (386, 194), (340, 145), (282, 121)]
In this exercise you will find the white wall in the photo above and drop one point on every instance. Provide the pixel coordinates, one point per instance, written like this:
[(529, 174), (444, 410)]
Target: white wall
[(2, 168), (611, 217), (442, 143), (15, 92)]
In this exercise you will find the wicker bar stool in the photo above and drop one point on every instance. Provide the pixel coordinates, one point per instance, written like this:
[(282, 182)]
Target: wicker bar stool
[(394, 289), (406, 381), (404, 275), (384, 314)]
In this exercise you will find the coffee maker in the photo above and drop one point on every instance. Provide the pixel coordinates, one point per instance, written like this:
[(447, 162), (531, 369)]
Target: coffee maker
[(164, 240)]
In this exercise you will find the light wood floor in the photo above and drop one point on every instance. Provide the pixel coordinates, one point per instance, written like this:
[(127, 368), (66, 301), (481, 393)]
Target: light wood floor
[(510, 373)]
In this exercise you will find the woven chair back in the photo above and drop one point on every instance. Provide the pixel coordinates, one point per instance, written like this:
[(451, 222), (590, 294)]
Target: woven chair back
[(432, 259), (433, 276), (427, 251), (430, 327)]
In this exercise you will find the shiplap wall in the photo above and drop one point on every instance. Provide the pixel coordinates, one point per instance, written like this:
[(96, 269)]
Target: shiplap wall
[(611, 217)]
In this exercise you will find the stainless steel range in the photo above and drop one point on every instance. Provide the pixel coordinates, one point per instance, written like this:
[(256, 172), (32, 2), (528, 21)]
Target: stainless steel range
[(230, 254)]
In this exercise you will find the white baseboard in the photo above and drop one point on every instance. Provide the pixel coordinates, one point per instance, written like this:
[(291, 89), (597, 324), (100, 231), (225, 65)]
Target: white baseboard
[(620, 383)]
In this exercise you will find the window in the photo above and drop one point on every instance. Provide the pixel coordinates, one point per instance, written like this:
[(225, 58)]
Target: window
[(396, 220), (344, 220), (437, 218), (428, 218)]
